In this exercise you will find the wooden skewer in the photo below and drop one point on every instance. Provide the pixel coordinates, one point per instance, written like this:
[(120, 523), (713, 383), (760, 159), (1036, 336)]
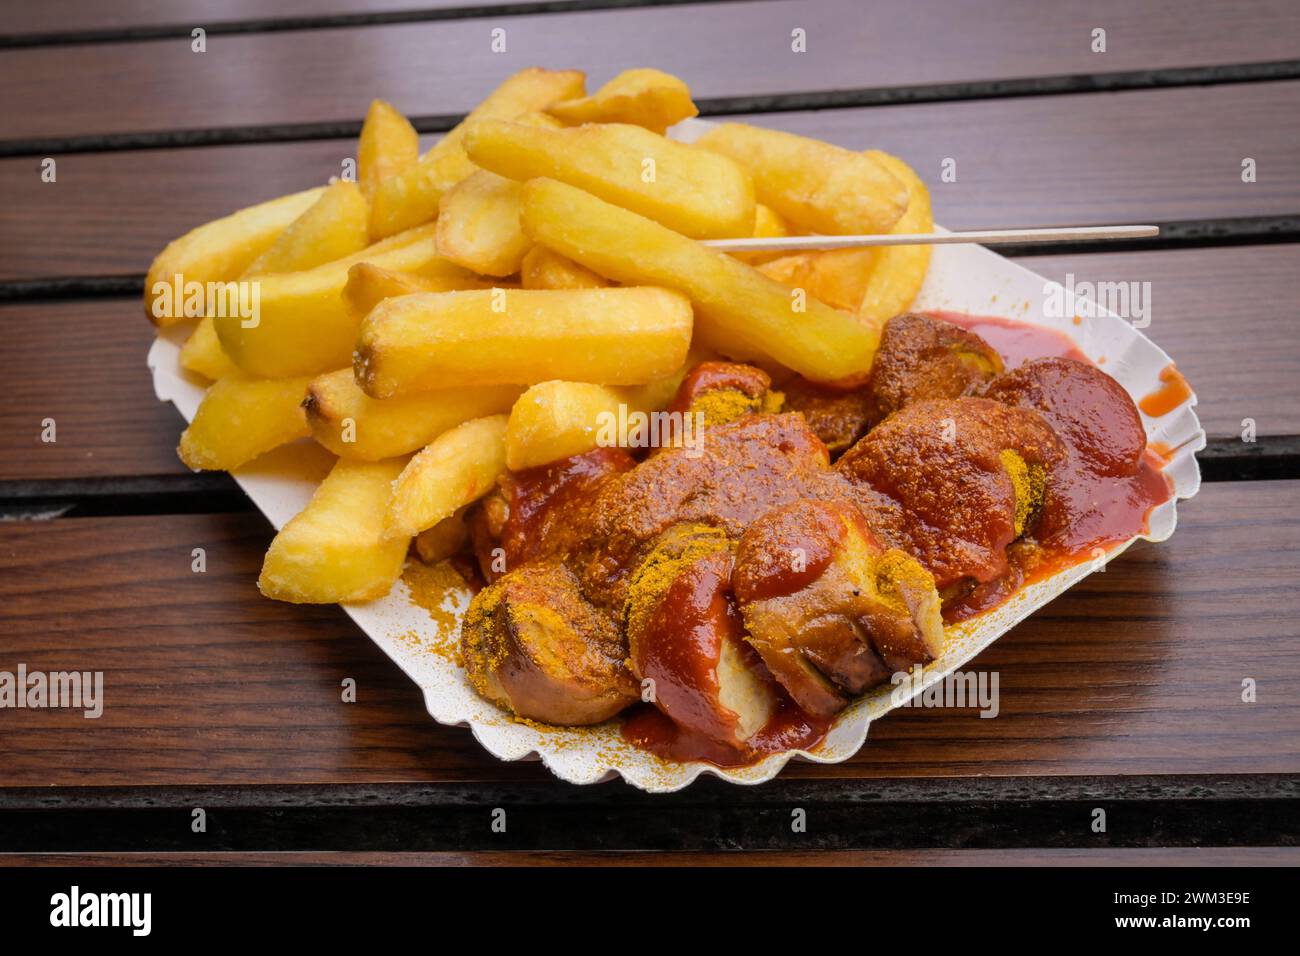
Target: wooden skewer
[(984, 237)]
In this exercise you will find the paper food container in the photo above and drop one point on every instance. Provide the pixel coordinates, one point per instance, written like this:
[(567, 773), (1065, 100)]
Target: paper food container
[(962, 278)]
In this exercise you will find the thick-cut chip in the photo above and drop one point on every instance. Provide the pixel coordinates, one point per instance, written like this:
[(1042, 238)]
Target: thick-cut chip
[(351, 424), (643, 97), (335, 226), (302, 326), (545, 269), (202, 353), (334, 550), (816, 186), (411, 197), (369, 284), (478, 224), (837, 277), (694, 191), (419, 342), (898, 272), (217, 251), (444, 539), (740, 312), (457, 468), (389, 145), (767, 225), (554, 420), (240, 418)]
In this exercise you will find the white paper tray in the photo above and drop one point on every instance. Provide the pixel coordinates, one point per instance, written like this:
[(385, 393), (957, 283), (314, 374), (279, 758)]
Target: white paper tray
[(962, 279)]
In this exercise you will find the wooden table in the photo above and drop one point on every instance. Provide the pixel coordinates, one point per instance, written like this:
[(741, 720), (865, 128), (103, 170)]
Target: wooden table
[(1125, 694)]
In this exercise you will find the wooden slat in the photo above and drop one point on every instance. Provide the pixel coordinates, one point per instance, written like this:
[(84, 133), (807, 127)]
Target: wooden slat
[(1148, 156), (723, 50), (82, 364), (1137, 671), (1172, 856), (78, 16), (1226, 315)]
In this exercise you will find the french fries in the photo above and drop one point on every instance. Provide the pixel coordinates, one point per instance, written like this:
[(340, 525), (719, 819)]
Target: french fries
[(334, 550), (898, 272), (814, 185), (303, 326), (696, 192), (457, 468), (217, 251), (739, 311), (561, 283), (202, 353), (389, 145), (837, 277), (478, 224), (553, 420), (444, 539), (428, 341), (334, 226), (351, 424), (642, 97), (240, 418), (369, 284), (544, 269), (767, 225), (411, 197)]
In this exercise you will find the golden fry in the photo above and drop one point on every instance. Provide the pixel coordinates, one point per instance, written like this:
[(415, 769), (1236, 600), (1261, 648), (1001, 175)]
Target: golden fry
[(444, 539), (389, 145), (553, 420), (217, 251), (642, 97), (694, 191), (899, 272), (334, 550), (739, 311), (457, 468), (767, 225), (478, 224), (241, 418), (202, 353), (335, 226), (625, 336), (303, 326), (837, 277), (411, 197), (351, 424), (544, 269), (369, 284), (814, 185)]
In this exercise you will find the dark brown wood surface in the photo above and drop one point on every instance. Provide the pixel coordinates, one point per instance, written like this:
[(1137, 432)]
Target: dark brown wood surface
[(1226, 315), (1161, 156), (1137, 671), (724, 50)]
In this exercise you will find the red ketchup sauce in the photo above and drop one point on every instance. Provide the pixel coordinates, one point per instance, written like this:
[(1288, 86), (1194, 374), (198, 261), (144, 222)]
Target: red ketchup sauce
[(1097, 510), (684, 641)]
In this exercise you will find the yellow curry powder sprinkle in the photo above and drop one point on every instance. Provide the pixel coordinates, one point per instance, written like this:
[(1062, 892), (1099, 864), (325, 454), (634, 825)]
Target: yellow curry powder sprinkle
[(676, 551), (1028, 482), (435, 587)]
